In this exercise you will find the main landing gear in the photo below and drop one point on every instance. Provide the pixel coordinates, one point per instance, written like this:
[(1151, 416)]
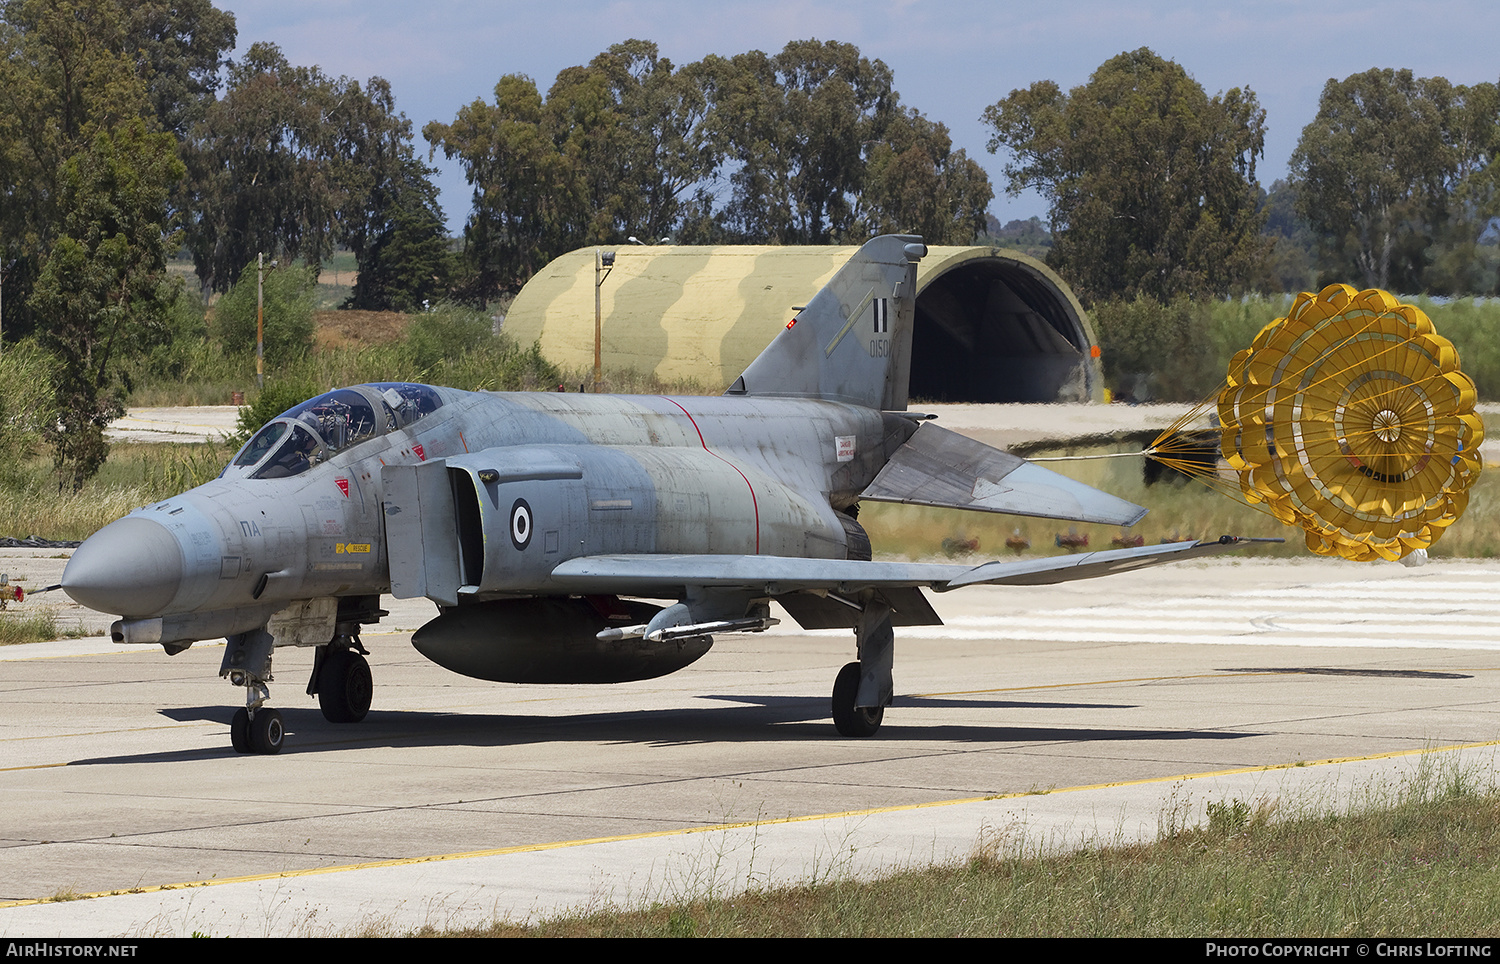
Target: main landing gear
[(848, 719), (863, 689), (341, 680)]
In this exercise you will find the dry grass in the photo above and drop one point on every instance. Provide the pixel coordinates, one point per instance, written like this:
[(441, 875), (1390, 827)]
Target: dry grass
[(1418, 862)]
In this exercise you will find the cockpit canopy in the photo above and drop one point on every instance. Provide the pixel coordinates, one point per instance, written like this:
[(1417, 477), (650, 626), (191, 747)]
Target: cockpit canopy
[(322, 427)]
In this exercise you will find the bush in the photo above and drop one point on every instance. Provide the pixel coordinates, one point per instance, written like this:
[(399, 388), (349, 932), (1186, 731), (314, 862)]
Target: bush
[(446, 334), (289, 304), (269, 402)]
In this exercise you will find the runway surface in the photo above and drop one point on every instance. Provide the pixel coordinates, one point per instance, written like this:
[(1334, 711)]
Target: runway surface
[(1085, 711)]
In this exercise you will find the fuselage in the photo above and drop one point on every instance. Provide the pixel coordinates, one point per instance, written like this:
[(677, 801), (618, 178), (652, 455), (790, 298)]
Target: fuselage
[(534, 479)]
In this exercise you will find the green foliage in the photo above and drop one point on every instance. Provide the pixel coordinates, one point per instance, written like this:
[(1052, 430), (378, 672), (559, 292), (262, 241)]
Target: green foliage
[(180, 46), (1471, 325), (822, 151), (915, 183), (176, 348), (1030, 236), (87, 179), (291, 161), (446, 334), (103, 289), (276, 397), (1151, 182), (1393, 173), (287, 308), (617, 148), (1178, 351), (35, 626), (26, 403), (407, 260), (798, 122), (1152, 351)]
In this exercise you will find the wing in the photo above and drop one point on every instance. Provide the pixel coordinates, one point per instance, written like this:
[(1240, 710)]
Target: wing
[(668, 575)]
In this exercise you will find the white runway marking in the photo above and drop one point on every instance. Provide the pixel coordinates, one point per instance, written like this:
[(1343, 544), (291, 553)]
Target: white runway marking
[(1445, 611)]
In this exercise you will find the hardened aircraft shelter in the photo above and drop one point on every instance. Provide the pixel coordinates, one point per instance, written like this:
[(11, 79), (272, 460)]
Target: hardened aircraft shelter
[(992, 325)]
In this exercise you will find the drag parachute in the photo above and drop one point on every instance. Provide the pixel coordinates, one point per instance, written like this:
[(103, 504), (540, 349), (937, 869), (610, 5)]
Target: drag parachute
[(1350, 419)]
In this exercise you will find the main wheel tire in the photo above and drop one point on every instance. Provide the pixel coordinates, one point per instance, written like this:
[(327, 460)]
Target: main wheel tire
[(267, 735), (344, 686), (239, 731), (848, 719)]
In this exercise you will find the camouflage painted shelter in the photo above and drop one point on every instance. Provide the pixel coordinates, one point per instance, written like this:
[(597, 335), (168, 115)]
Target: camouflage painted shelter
[(993, 325)]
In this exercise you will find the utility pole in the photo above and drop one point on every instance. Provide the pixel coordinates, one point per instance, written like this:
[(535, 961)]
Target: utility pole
[(260, 320), (604, 261)]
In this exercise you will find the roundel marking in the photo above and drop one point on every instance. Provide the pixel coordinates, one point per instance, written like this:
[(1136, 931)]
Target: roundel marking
[(520, 524)]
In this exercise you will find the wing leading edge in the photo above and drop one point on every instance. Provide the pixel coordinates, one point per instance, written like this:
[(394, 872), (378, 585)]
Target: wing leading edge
[(645, 575)]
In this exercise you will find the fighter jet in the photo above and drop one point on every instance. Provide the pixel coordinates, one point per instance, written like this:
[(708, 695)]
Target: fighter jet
[(540, 523)]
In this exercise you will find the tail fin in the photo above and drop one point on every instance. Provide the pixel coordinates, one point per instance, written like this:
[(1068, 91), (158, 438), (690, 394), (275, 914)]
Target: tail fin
[(852, 343)]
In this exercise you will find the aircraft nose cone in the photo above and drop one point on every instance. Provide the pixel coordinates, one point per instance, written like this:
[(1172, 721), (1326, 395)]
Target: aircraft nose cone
[(131, 567)]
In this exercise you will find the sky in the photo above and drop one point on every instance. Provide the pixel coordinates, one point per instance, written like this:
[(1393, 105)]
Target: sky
[(950, 60)]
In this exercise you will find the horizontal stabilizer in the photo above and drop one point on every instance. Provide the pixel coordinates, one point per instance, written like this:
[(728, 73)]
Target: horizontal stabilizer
[(941, 468)]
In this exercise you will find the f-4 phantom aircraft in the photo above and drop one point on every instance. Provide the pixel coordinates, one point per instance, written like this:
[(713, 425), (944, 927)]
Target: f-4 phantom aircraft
[(539, 522)]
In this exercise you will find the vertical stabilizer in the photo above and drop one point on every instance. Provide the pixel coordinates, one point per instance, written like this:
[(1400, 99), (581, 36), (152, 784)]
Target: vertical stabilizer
[(852, 343)]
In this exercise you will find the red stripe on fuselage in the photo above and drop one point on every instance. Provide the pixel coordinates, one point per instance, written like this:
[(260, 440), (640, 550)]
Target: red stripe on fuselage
[(754, 504)]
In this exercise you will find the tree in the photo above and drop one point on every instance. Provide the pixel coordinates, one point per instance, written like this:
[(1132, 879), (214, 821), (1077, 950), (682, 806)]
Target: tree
[(1370, 171), (103, 285), (1151, 182), (258, 165), (289, 162), (71, 68), (404, 258), (63, 81), (649, 143), (819, 147), (180, 48), (85, 177), (798, 124), (617, 148), (1394, 172), (523, 188), (915, 183)]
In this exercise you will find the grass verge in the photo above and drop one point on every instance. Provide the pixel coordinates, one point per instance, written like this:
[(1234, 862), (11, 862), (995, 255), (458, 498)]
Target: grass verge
[(1419, 862)]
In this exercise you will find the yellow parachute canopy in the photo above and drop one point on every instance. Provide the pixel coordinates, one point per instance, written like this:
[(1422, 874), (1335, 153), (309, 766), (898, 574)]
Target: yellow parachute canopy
[(1350, 418)]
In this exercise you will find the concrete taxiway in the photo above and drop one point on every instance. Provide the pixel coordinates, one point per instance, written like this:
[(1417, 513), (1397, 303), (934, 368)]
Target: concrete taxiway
[(1089, 711)]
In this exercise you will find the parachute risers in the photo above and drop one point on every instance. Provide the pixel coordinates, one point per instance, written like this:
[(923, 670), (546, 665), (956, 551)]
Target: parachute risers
[(1350, 418)]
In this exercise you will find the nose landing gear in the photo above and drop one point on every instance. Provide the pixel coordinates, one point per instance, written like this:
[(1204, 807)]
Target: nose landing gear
[(255, 728), (264, 733)]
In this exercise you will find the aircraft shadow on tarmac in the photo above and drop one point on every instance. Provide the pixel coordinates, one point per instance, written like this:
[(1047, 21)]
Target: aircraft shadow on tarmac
[(755, 719)]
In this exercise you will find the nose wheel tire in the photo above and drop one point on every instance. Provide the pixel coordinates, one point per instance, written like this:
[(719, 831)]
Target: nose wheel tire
[(264, 734), (344, 686), (239, 731), (848, 719)]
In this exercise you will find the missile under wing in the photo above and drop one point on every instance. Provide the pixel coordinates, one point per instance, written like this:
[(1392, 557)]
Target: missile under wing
[(539, 523)]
